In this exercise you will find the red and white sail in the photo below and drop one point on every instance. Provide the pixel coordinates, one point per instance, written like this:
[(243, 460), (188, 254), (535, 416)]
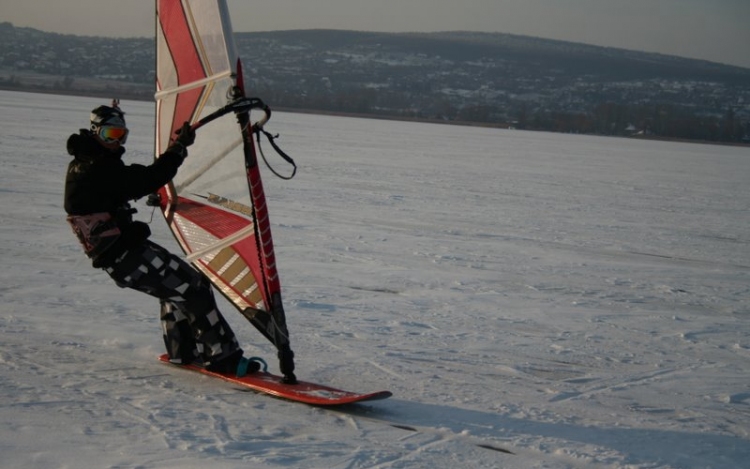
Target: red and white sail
[(215, 206)]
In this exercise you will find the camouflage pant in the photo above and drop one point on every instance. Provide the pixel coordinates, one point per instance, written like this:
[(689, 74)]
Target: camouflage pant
[(193, 327)]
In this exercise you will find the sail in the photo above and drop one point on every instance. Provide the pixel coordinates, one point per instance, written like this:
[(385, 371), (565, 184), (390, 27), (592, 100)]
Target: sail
[(216, 206)]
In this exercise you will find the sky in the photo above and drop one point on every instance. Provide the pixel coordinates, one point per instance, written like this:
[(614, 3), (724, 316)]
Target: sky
[(715, 30)]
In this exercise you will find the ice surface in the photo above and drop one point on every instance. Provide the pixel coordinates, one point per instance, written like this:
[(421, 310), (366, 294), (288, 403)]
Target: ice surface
[(579, 301)]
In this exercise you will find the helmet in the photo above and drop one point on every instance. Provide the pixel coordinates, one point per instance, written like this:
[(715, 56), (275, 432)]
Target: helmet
[(109, 124)]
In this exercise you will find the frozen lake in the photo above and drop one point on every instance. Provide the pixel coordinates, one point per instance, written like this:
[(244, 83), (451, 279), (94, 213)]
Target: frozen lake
[(579, 301)]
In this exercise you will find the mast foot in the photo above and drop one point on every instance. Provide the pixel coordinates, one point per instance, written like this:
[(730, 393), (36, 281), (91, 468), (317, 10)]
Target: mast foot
[(286, 365)]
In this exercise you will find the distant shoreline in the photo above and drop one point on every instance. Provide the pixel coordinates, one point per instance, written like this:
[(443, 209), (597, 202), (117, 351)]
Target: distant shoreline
[(129, 94)]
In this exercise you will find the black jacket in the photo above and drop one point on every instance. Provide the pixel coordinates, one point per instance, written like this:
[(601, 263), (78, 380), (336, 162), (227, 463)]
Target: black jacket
[(98, 189)]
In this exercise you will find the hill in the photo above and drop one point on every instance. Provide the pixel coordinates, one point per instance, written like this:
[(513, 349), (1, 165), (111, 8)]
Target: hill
[(490, 78)]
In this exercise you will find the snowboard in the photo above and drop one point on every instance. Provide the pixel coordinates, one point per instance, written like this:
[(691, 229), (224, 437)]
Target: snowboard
[(304, 392)]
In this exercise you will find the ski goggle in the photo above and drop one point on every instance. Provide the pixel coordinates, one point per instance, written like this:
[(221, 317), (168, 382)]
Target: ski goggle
[(112, 134)]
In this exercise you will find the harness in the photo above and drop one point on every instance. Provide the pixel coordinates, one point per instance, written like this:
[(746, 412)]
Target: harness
[(95, 231)]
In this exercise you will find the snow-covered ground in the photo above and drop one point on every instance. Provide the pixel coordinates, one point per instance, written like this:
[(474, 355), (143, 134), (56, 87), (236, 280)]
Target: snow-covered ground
[(580, 302)]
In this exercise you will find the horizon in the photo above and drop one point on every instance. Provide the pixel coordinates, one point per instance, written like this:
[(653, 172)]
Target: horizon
[(409, 32), (698, 29)]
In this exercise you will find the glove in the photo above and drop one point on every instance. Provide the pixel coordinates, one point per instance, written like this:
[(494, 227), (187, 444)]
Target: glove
[(185, 136)]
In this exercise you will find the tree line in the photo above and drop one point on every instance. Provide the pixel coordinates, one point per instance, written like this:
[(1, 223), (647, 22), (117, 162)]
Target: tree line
[(658, 120)]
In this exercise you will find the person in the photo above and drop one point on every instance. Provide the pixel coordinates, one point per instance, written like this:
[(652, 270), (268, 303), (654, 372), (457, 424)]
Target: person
[(99, 187)]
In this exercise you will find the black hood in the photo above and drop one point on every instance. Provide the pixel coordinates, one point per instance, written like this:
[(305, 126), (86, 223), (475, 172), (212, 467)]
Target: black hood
[(85, 147)]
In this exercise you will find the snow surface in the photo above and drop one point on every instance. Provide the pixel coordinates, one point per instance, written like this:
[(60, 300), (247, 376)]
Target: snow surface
[(578, 301)]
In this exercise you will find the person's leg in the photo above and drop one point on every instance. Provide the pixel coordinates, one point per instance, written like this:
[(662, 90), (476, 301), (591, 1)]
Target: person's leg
[(178, 336), (155, 271)]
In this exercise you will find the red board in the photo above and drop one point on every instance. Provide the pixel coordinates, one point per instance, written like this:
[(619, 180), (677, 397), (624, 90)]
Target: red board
[(304, 392)]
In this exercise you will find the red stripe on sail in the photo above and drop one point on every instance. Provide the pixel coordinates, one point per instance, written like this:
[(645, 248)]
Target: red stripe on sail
[(221, 223), (184, 54)]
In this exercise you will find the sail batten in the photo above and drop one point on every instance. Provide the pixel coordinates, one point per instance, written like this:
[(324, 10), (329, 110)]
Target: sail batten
[(193, 85), (229, 240)]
